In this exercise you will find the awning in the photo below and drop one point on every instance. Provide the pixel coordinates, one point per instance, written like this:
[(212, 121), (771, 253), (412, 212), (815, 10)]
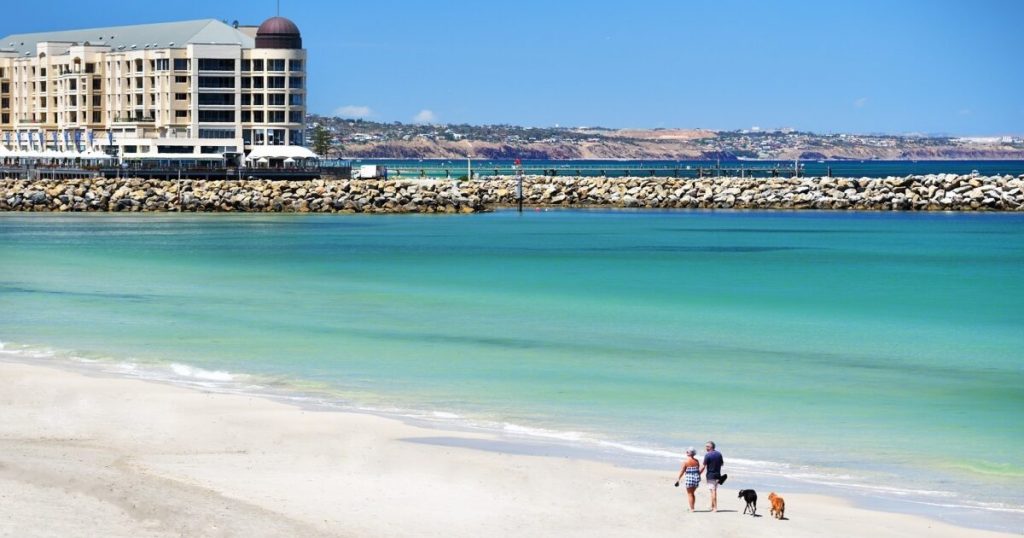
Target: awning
[(280, 152), (94, 155)]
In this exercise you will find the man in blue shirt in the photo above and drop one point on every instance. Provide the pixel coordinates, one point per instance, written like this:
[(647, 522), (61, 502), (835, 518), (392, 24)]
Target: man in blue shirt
[(713, 466)]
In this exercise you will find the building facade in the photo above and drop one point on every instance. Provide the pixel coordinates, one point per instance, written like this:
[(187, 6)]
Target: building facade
[(193, 91)]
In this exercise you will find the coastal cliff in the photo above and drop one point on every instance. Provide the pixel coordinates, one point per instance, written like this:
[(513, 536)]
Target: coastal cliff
[(937, 192)]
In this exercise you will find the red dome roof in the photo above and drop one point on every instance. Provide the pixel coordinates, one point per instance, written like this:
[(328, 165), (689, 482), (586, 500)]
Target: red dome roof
[(278, 26), (278, 33)]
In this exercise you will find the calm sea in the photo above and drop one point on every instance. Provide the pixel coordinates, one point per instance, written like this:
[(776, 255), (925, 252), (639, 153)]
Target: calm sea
[(615, 168), (873, 355)]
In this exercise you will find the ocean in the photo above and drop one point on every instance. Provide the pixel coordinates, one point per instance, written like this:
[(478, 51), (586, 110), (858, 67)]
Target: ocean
[(689, 168), (874, 356)]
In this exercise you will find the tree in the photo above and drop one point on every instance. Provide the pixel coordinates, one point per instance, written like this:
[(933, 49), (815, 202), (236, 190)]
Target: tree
[(321, 141)]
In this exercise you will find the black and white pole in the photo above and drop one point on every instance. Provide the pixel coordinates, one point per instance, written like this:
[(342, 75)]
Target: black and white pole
[(519, 187)]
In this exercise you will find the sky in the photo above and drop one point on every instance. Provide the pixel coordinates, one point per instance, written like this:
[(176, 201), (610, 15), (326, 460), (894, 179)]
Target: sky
[(865, 66)]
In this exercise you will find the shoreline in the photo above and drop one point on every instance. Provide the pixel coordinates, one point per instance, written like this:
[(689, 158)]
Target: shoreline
[(443, 447)]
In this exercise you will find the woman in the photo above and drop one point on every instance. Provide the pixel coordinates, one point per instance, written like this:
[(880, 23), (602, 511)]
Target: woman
[(690, 475)]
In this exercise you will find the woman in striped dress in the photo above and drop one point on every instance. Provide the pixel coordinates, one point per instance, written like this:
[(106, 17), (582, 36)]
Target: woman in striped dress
[(690, 475)]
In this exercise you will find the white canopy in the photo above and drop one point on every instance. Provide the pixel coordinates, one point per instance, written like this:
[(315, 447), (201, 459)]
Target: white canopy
[(280, 152), (95, 155), (289, 160)]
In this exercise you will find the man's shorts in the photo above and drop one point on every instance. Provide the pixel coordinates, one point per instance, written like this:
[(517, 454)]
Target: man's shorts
[(713, 484)]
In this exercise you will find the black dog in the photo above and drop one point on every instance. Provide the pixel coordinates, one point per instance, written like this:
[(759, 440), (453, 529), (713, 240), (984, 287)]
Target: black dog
[(750, 496)]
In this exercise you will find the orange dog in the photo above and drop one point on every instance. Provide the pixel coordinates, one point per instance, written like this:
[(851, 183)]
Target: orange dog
[(778, 506)]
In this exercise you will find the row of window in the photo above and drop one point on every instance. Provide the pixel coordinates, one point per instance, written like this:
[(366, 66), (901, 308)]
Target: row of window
[(249, 116), (97, 117), (272, 137)]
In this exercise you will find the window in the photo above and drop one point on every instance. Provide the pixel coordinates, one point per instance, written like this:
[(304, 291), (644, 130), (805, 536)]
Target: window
[(180, 79), (73, 84), (90, 67), (247, 136), (246, 83), (295, 82), (97, 100), (175, 149), (73, 100), (42, 71), (246, 116), (275, 65), (181, 64), (257, 82), (217, 133), (295, 99), (275, 137), (257, 99), (216, 82), (5, 87), (246, 99), (218, 99), (138, 99), (295, 137), (181, 97), (246, 65), (257, 65), (162, 64), (216, 149), (42, 86), (131, 149), (295, 117), (5, 118), (275, 99), (5, 102), (181, 114), (216, 64), (97, 84), (97, 117), (257, 116), (276, 116), (275, 82), (216, 116), (295, 65)]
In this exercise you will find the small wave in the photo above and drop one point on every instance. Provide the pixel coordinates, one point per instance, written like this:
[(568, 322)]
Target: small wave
[(516, 429), (184, 370)]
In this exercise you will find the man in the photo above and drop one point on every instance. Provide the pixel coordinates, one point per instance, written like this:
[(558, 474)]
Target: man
[(713, 466)]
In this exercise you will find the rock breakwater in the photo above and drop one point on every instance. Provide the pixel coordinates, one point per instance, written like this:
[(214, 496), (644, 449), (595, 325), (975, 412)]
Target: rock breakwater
[(247, 195), (939, 192)]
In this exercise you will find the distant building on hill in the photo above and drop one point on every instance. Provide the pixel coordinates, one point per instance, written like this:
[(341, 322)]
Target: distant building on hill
[(198, 91)]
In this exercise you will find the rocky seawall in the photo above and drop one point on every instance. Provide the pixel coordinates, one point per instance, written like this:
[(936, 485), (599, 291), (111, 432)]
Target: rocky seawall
[(247, 195), (940, 192)]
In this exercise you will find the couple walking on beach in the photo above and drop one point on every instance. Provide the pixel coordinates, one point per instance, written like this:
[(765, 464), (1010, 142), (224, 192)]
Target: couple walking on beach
[(711, 469)]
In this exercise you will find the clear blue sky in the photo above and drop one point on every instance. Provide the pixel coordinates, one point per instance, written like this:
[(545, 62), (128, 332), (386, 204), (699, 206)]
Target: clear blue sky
[(931, 66)]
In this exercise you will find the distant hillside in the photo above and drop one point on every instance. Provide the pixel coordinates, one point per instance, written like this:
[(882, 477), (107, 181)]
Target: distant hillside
[(365, 139)]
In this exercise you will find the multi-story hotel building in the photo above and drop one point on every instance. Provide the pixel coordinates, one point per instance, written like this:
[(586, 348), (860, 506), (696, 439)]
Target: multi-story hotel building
[(202, 91)]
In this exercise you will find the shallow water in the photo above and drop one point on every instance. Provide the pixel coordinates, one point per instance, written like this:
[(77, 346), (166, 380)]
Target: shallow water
[(871, 353)]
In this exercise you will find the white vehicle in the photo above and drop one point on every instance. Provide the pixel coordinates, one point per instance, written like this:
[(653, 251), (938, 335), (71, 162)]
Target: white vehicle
[(371, 171)]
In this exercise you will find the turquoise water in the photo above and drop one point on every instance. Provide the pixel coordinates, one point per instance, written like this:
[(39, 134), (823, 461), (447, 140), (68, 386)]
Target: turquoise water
[(868, 354), (615, 168)]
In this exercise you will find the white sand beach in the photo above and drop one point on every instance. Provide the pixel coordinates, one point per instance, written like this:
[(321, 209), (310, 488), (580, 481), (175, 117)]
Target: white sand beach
[(84, 455)]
